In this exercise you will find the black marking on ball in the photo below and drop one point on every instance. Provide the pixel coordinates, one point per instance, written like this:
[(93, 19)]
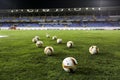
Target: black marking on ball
[(73, 62), (50, 49), (96, 50), (92, 46), (70, 44)]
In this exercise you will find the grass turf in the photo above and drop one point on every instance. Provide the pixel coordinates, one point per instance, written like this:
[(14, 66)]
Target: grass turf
[(20, 59)]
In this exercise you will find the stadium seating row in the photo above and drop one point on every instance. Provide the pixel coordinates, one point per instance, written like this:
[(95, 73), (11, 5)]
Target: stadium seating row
[(54, 18), (73, 24)]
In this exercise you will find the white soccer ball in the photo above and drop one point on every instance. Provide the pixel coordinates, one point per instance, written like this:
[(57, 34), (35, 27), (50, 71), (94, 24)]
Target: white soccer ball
[(49, 50), (47, 35), (70, 44), (94, 49), (69, 64), (34, 40), (39, 44), (37, 37), (54, 37), (59, 41)]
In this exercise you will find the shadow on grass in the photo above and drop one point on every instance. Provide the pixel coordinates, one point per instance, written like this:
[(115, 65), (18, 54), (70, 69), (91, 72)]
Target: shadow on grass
[(43, 47), (107, 55), (88, 71), (69, 48), (59, 55), (63, 43)]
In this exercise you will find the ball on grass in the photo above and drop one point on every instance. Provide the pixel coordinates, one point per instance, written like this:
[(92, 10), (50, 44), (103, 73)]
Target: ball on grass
[(94, 50), (39, 44), (49, 50), (70, 44), (47, 35), (69, 64), (34, 40), (59, 41), (37, 37), (54, 37)]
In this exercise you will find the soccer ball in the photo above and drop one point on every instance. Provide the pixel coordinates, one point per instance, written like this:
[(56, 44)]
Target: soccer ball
[(94, 50), (34, 40), (69, 64), (47, 35), (59, 41), (49, 50), (70, 44), (39, 44), (37, 37), (54, 37)]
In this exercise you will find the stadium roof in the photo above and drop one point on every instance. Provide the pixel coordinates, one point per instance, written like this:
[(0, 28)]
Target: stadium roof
[(83, 9), (37, 4), (62, 11)]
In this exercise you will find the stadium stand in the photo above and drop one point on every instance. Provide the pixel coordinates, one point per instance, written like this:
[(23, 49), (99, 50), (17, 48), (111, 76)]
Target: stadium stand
[(78, 20)]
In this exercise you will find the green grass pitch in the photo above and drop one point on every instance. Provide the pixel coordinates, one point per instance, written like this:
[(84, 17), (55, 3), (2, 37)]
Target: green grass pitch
[(20, 59)]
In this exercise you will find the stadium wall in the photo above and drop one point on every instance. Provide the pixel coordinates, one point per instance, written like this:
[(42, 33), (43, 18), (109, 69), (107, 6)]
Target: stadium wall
[(62, 28)]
